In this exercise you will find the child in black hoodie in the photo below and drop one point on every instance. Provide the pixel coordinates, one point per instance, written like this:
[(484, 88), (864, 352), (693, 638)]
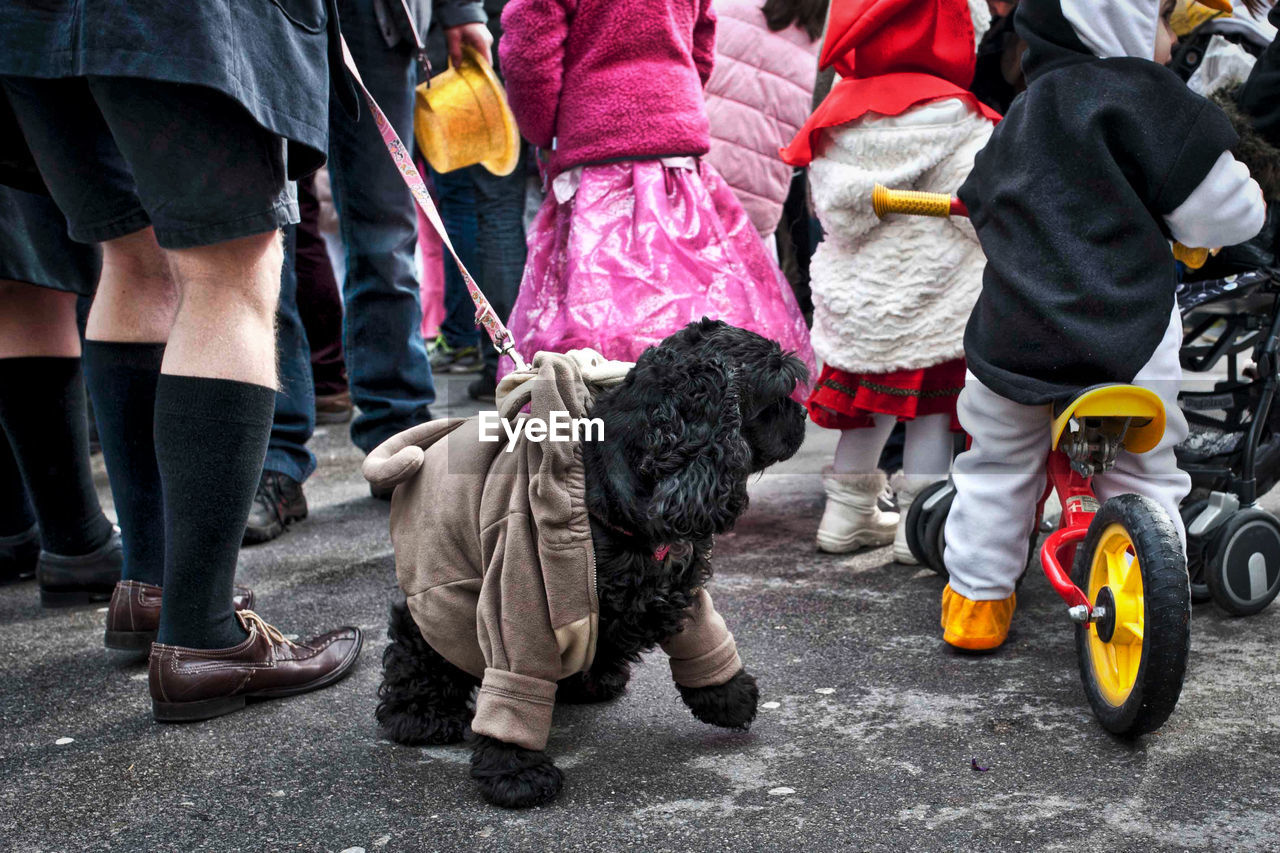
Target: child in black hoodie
[(1102, 161)]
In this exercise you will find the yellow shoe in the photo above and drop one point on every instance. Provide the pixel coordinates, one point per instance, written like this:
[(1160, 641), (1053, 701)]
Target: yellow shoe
[(976, 626)]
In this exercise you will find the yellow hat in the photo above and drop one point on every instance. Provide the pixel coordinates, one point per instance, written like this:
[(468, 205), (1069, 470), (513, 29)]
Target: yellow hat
[(1189, 14), (462, 119)]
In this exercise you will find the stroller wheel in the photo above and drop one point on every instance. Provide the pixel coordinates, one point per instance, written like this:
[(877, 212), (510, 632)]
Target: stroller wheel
[(1243, 567), (918, 519), (934, 539), (1196, 552)]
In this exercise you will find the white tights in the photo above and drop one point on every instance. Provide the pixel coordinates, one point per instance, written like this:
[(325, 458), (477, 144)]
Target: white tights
[(927, 452)]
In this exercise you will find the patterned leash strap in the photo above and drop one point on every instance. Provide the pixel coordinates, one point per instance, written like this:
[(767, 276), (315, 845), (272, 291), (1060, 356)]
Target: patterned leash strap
[(503, 341)]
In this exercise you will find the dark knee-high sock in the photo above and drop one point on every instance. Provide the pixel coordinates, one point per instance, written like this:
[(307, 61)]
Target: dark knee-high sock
[(42, 410), (16, 514), (211, 440), (121, 378)]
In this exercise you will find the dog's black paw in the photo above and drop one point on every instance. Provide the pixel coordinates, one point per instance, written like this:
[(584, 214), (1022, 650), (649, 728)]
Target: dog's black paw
[(731, 705), (585, 688), (511, 776)]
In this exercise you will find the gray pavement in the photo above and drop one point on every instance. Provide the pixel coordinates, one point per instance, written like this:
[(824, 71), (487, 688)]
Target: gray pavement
[(864, 740)]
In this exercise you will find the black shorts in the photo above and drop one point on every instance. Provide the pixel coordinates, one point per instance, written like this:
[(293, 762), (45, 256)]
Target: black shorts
[(35, 249), (121, 153)]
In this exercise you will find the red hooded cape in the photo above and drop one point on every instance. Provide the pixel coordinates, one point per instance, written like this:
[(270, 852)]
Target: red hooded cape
[(891, 55)]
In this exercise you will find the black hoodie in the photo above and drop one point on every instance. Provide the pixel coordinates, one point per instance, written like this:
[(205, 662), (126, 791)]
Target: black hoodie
[(1261, 95), (1068, 199)]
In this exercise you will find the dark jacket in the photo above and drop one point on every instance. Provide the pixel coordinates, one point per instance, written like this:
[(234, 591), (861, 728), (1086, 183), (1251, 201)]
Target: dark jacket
[(1261, 95), (447, 13), (1068, 199), (274, 57), (271, 56)]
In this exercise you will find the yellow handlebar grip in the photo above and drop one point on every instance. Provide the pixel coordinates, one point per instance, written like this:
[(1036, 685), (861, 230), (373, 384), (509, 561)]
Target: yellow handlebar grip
[(1193, 258), (885, 201)]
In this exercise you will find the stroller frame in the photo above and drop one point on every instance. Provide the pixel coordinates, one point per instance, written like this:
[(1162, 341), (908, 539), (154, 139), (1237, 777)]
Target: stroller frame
[(1233, 545), (1246, 330)]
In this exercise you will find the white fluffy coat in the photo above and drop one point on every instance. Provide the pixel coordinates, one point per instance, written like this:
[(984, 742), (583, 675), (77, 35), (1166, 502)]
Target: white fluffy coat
[(894, 295)]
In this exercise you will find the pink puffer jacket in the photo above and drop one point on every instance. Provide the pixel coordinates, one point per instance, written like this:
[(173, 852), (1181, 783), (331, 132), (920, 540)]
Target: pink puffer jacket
[(758, 97)]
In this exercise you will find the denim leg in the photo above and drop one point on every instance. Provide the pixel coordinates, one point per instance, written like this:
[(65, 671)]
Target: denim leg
[(457, 199), (295, 415), (319, 300), (501, 242), (387, 365)]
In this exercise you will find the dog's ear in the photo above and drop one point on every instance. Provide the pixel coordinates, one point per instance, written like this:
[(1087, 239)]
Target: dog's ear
[(693, 452), (780, 375)]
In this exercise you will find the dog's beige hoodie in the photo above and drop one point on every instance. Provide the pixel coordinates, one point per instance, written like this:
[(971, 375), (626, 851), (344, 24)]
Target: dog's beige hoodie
[(493, 550)]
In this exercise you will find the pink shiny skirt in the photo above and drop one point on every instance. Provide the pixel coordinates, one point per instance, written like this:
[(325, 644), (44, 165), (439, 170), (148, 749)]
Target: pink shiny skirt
[(638, 251)]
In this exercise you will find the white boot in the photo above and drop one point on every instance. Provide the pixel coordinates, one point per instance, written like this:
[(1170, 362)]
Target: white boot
[(906, 488), (852, 520)]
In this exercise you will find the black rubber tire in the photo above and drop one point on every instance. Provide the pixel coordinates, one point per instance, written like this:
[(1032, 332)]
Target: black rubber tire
[(916, 521), (1166, 615), (934, 539), (1197, 552), (1243, 530)]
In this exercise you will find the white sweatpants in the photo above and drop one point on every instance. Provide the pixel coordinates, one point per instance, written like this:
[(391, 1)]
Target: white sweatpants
[(999, 480)]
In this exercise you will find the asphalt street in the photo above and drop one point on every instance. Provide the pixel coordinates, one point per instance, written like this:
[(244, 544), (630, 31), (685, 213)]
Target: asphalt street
[(867, 739)]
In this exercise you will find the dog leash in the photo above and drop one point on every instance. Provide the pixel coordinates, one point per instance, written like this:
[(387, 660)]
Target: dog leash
[(503, 340)]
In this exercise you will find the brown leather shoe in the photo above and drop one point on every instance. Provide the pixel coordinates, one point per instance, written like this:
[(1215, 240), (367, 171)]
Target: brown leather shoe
[(133, 616), (197, 684), (334, 408)]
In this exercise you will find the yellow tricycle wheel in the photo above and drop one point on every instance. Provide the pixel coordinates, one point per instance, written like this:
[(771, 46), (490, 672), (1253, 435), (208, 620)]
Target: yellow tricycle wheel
[(1133, 656)]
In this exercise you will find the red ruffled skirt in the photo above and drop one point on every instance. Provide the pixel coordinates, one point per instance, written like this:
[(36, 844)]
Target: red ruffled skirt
[(843, 400)]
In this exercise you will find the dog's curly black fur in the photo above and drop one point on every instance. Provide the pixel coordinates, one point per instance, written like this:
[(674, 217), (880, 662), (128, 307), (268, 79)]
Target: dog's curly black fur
[(511, 776), (691, 422), (423, 698)]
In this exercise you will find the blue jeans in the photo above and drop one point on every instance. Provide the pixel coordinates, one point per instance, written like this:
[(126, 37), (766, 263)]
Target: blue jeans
[(499, 247), (456, 198), (387, 365), (501, 242), (295, 415)]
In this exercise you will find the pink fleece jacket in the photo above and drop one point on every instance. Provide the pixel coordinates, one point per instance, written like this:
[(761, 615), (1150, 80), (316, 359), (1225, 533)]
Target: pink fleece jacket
[(609, 79), (757, 99)]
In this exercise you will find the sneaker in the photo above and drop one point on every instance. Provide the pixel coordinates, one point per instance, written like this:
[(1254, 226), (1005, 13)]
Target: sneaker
[(278, 503), (439, 353), (334, 408), (485, 387), (466, 360)]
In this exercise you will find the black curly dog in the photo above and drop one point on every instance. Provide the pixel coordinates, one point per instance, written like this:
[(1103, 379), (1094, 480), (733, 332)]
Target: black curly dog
[(696, 416)]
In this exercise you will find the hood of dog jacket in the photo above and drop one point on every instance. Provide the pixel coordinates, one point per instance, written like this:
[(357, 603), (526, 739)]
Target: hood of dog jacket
[(494, 553)]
